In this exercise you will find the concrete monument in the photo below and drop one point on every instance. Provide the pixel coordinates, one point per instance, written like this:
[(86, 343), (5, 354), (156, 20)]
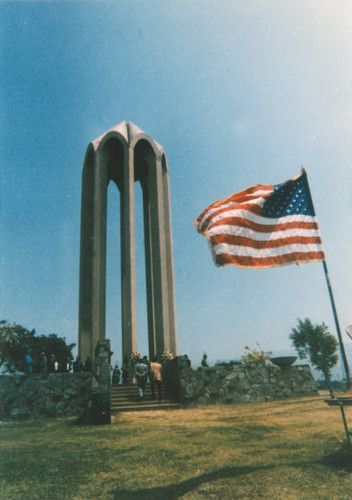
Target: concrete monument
[(125, 155)]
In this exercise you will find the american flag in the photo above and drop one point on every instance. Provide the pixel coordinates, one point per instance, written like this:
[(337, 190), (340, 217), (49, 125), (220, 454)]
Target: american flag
[(264, 226)]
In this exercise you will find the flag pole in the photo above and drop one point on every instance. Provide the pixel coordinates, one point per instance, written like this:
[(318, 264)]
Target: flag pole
[(342, 348), (343, 353)]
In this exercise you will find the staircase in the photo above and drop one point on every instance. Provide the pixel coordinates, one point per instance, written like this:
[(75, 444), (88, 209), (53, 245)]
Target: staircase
[(125, 398)]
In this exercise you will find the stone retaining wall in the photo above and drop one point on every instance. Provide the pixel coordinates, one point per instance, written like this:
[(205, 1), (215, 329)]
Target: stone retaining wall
[(66, 394), (41, 396), (241, 383)]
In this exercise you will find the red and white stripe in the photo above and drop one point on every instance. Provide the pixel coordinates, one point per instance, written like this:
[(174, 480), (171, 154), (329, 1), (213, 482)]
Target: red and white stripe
[(240, 235)]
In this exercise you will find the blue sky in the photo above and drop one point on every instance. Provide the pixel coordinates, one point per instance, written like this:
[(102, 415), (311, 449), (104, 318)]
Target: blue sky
[(237, 93)]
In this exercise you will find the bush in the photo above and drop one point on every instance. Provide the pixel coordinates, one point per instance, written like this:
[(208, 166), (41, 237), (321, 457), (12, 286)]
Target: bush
[(255, 356)]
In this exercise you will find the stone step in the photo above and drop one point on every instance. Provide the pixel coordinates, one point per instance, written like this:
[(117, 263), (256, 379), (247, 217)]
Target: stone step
[(126, 387), (123, 386), (117, 392), (129, 394), (124, 397), (135, 400), (147, 407), (135, 397), (128, 390)]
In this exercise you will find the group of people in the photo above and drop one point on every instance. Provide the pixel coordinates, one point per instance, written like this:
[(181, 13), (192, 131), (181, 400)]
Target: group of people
[(45, 364), (78, 366), (116, 375), (142, 370)]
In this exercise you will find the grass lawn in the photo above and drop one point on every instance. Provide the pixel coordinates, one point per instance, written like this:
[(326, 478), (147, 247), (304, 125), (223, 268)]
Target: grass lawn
[(279, 450)]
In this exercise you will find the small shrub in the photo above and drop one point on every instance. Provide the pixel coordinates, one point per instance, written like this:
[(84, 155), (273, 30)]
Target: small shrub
[(255, 356)]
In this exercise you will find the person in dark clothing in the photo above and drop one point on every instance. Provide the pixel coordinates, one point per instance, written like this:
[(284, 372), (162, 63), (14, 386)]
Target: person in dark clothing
[(62, 367), (125, 371), (145, 361), (204, 361), (88, 365), (116, 373), (77, 365), (43, 363), (124, 375), (51, 363)]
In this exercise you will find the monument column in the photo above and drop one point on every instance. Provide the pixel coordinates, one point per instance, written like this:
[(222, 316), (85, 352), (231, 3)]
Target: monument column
[(128, 260), (149, 271), (158, 257), (93, 254), (169, 259)]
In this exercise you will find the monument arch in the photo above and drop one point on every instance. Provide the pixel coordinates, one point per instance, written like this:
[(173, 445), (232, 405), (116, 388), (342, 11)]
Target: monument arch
[(126, 155)]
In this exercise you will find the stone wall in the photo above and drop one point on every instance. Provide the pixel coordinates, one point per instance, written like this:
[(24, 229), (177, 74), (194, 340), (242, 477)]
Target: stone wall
[(240, 383), (66, 394), (41, 396)]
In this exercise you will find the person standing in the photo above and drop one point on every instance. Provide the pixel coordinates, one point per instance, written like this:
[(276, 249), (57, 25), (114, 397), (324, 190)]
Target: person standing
[(77, 365), (43, 364), (155, 375), (51, 363), (124, 374), (116, 373), (68, 364), (88, 364), (205, 361), (141, 372), (28, 362), (188, 361)]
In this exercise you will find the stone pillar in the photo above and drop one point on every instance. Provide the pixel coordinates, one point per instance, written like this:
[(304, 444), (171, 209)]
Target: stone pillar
[(169, 259), (159, 264), (128, 262), (148, 269), (85, 340), (93, 254)]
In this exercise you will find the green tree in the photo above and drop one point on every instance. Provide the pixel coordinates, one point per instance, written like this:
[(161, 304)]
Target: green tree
[(15, 340), (318, 345)]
